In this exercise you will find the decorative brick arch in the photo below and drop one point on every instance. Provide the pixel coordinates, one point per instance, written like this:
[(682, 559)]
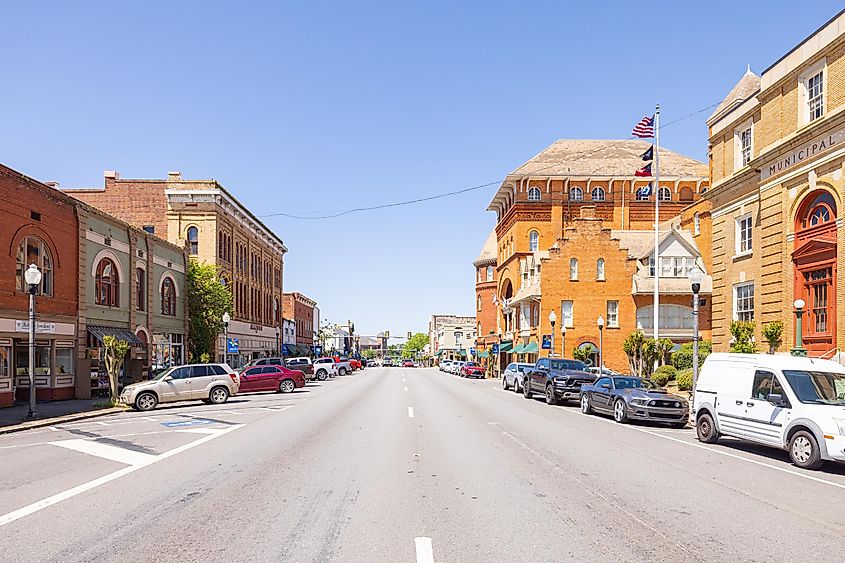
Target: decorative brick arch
[(34, 230), (168, 274), (107, 253)]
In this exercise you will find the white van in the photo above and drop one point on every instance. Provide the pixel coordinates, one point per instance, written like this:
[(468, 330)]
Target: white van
[(793, 403)]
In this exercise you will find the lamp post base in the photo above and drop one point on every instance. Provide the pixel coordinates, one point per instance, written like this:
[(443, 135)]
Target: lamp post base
[(800, 352)]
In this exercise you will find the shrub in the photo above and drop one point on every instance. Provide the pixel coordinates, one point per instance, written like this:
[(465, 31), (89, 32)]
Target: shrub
[(664, 374), (682, 357), (772, 333), (743, 333), (684, 379)]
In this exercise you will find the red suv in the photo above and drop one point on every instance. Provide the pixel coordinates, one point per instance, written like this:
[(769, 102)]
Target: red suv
[(472, 369), (271, 378)]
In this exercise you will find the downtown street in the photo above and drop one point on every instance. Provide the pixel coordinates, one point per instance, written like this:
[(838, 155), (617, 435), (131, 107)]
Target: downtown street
[(371, 466)]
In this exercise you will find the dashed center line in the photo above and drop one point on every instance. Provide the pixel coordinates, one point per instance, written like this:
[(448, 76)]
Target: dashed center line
[(410, 412), (425, 552)]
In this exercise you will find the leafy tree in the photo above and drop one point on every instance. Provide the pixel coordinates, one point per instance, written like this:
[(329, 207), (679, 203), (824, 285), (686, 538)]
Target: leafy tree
[(773, 333), (414, 344), (682, 357), (633, 348), (583, 354), (743, 333), (369, 354), (208, 299), (114, 352), (644, 352)]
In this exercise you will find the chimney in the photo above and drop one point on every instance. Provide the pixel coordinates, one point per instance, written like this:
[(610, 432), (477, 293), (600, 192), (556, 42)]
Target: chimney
[(588, 212), (111, 175), (174, 176), (54, 185)]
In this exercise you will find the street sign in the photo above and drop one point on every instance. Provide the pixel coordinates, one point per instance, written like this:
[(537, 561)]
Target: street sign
[(318, 350), (547, 342), (232, 345), (495, 349), (472, 351)]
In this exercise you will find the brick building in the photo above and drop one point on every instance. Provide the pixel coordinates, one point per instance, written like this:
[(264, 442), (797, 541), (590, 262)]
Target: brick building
[(216, 229), (300, 309), (485, 299), (540, 208), (38, 225), (777, 156), (451, 336)]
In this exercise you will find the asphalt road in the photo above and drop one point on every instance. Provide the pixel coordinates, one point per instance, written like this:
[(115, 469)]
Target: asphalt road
[(403, 465)]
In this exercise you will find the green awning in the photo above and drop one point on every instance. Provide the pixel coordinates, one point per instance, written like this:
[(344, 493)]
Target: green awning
[(506, 346), (530, 348), (482, 354), (439, 353), (518, 349), (462, 353)]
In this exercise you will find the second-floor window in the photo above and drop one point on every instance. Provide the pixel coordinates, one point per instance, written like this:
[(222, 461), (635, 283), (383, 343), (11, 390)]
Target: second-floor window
[(600, 269), (140, 289), (566, 314), (696, 224), (576, 194), (489, 273), (815, 96), (107, 284), (534, 194), (597, 194), (745, 146), (533, 241), (743, 234), (744, 302), (613, 314), (665, 194), (32, 250), (168, 298), (573, 269)]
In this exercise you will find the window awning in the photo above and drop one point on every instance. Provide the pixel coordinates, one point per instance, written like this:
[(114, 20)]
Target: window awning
[(518, 349), (483, 354), (506, 346), (100, 332), (531, 348)]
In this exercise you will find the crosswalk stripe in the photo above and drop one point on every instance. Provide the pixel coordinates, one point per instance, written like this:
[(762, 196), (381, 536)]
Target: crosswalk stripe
[(106, 451)]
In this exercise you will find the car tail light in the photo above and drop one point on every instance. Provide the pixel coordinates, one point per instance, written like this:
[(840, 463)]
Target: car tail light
[(234, 376)]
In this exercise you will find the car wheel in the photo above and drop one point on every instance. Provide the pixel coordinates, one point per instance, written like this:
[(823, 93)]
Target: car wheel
[(341, 371), (620, 411), (516, 386), (705, 429), (218, 395), (550, 395), (146, 401), (321, 375), (585, 404), (526, 390), (804, 450), (505, 382), (286, 386)]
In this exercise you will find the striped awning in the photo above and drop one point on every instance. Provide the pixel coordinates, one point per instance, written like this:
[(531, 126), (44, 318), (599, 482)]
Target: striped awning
[(506, 346), (530, 348), (99, 332), (518, 349)]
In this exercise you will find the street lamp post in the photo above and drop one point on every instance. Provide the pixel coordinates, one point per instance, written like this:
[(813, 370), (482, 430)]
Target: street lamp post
[(33, 280), (799, 349), (278, 343), (553, 320), (562, 340), (600, 322), (226, 319), (696, 276)]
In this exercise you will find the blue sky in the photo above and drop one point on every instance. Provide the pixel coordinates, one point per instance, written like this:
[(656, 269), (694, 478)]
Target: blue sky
[(309, 107)]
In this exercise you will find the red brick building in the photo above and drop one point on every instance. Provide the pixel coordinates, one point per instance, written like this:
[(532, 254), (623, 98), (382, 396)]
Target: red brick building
[(485, 299), (38, 224), (300, 308)]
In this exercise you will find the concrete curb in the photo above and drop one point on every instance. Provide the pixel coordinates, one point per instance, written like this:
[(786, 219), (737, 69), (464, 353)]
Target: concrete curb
[(40, 423)]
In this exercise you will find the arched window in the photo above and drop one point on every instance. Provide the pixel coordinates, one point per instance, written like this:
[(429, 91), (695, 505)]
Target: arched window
[(107, 284), (576, 194), (686, 194), (696, 224), (140, 289), (573, 269), (479, 303), (32, 250), (597, 194), (168, 298), (533, 194), (489, 273), (193, 241), (819, 209), (600, 269), (533, 241), (665, 194)]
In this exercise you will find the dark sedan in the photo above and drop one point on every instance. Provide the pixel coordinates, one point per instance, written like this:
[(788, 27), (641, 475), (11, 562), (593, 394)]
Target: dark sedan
[(633, 398)]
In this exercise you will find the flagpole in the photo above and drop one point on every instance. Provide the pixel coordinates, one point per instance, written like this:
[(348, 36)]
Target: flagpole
[(656, 222)]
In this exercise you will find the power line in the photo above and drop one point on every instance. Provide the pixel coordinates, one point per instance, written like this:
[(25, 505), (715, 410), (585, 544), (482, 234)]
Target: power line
[(461, 191)]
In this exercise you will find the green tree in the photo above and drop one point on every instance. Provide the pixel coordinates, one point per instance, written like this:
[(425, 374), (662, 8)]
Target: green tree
[(208, 299), (114, 350), (682, 357), (743, 332), (773, 333), (369, 354), (414, 344), (583, 354)]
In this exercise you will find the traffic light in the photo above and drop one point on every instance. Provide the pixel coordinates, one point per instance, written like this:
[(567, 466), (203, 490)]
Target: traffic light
[(409, 335), (387, 334)]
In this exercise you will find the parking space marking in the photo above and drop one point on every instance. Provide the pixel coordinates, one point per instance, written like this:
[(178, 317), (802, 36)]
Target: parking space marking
[(84, 487), (106, 451), (425, 552)]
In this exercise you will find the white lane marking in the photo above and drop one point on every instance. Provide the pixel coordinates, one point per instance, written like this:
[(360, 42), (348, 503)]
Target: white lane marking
[(230, 412), (101, 423), (79, 489), (198, 431), (406, 388), (53, 428), (410, 412), (714, 450), (151, 419), (425, 553), (105, 451)]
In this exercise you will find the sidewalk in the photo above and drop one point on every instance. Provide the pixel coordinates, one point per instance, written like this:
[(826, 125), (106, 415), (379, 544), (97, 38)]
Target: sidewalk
[(14, 418)]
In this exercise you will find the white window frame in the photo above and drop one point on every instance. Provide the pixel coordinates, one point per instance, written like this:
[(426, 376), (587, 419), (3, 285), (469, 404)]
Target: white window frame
[(738, 231), (600, 269), (613, 314), (804, 90), (736, 289), (573, 269), (534, 194), (661, 191), (567, 314), (533, 241), (696, 224), (739, 157), (489, 273), (576, 194), (598, 190)]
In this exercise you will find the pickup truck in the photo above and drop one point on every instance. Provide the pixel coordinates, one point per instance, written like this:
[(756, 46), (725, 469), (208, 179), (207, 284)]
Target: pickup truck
[(558, 379), (343, 365)]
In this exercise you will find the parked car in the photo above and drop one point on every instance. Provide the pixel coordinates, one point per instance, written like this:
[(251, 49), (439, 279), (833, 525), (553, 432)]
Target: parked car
[(787, 402), (514, 374), (271, 377), (444, 365), (407, 364), (325, 368), (303, 364), (455, 369), (343, 364), (210, 383), (632, 398), (558, 379), (356, 364), (472, 369)]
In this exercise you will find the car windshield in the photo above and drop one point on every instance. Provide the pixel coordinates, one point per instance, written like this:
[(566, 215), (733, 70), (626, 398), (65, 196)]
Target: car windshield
[(569, 364), (162, 374), (817, 387), (633, 383), (470, 364)]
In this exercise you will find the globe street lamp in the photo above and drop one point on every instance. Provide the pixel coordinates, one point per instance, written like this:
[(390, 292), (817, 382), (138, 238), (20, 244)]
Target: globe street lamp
[(33, 280), (226, 319), (600, 323), (553, 320), (278, 344), (799, 349), (696, 276), (562, 340)]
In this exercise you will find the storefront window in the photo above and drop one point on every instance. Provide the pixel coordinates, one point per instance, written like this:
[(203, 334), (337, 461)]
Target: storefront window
[(42, 360), (167, 350), (5, 357), (64, 360)]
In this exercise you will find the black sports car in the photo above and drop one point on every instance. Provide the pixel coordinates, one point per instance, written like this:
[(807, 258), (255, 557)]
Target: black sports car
[(632, 398)]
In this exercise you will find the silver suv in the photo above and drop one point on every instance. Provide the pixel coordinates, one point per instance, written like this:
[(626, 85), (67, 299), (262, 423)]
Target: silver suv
[(210, 383)]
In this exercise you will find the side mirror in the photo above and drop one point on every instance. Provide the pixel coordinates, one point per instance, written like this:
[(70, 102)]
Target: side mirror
[(776, 399), (168, 378)]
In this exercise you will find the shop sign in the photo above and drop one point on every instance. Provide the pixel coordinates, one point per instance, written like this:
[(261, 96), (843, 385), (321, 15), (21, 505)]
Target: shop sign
[(43, 328), (232, 345), (547, 342), (804, 152)]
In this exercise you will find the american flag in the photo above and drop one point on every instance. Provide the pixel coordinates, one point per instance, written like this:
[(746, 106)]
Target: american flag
[(644, 171), (645, 128)]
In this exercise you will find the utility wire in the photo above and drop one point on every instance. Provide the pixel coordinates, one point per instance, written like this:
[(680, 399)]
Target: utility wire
[(464, 190)]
